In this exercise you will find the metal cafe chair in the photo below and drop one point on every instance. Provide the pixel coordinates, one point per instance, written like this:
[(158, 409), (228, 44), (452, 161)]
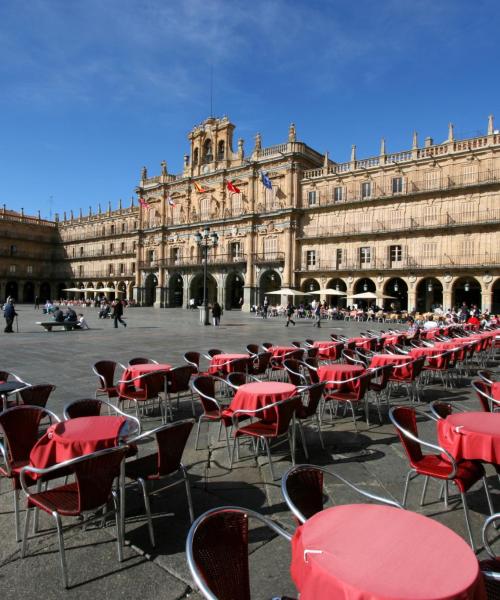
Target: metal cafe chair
[(36, 395), (151, 386), (490, 567), (355, 395), (217, 552), (178, 382), (171, 440), (483, 392), (90, 492), (439, 465), (91, 407), (142, 361), (303, 490), (106, 372)]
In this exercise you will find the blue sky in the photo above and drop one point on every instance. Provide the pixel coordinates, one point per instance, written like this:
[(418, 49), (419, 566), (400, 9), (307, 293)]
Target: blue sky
[(92, 90)]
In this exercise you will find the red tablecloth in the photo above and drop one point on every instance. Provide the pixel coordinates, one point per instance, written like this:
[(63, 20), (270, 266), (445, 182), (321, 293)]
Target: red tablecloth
[(374, 552), (340, 373), (393, 338), (365, 343), (76, 437), (137, 370), (280, 350), (251, 396), (218, 363), (425, 351), (329, 350), (495, 390), (380, 360), (471, 435)]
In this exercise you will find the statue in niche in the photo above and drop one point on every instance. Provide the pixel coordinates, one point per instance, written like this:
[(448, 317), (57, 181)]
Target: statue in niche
[(182, 215), (144, 174)]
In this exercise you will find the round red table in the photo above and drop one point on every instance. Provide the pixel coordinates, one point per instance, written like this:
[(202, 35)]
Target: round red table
[(376, 552), (252, 396), (280, 350), (364, 343), (138, 370), (220, 363), (329, 350), (471, 436), (76, 437), (340, 373)]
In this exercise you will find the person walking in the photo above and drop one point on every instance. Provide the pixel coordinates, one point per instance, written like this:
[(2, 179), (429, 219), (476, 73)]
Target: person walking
[(9, 313), (118, 313), (265, 308), (317, 316), (290, 309), (216, 314)]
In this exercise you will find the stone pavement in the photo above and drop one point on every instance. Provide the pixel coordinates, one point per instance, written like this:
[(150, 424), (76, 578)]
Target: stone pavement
[(372, 459)]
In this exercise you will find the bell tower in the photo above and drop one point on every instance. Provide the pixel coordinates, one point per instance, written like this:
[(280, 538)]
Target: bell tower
[(211, 146)]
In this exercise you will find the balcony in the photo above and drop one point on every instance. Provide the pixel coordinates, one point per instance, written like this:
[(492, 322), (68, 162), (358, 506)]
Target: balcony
[(194, 263), (96, 274), (117, 252), (442, 262), (266, 258), (421, 223)]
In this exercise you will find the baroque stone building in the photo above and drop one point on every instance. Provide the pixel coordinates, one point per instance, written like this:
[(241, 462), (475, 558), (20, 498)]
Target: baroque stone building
[(420, 226)]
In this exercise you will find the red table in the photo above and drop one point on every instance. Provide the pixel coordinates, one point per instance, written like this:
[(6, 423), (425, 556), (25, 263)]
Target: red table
[(380, 360), (220, 363), (495, 390), (137, 370), (393, 338), (425, 351), (252, 396), (281, 350), (329, 350), (375, 552), (364, 343), (340, 373), (471, 436), (76, 437)]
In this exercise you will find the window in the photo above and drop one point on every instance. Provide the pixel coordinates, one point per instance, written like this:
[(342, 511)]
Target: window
[(311, 258), (112, 229), (73, 252), (151, 255), (365, 255), (124, 227), (29, 269), (395, 253), (366, 189), (235, 251), (205, 208), (81, 250), (220, 150), (270, 247), (103, 230), (12, 269), (432, 180), (80, 270), (133, 267), (270, 199), (134, 246), (122, 247), (429, 250), (468, 174), (338, 194), (110, 269), (195, 156), (397, 185), (311, 198), (365, 221), (339, 257), (207, 151), (13, 250), (111, 248), (175, 254), (430, 214), (135, 224), (236, 204), (122, 268), (103, 250)]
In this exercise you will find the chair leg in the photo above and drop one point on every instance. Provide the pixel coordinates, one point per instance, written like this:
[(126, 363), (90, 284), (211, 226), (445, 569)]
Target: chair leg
[(405, 493), (488, 497), (424, 490), (26, 533), (268, 449), (303, 439), (147, 508), (17, 515), (188, 493), (198, 432), (228, 445), (37, 511), (353, 416), (318, 421), (119, 539), (467, 522), (62, 552)]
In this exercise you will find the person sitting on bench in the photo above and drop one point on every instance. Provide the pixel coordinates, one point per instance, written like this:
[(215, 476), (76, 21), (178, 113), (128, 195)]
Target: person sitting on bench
[(71, 316), (58, 315)]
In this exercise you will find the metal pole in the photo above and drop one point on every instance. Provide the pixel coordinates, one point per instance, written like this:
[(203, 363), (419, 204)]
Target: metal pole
[(205, 282)]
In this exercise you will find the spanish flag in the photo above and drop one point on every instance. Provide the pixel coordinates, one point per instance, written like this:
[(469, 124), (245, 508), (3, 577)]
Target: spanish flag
[(199, 189), (232, 188)]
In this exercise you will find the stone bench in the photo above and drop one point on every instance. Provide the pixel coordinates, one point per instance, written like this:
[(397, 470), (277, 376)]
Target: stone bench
[(48, 325)]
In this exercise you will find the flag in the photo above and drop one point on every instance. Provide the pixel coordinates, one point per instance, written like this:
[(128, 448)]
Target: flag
[(232, 188), (266, 182), (170, 201), (199, 189), (144, 203)]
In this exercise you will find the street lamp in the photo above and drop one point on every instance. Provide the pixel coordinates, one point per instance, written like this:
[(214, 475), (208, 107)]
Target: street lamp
[(206, 240)]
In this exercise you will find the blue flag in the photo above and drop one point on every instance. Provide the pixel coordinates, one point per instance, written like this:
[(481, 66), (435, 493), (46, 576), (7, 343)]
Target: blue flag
[(266, 182)]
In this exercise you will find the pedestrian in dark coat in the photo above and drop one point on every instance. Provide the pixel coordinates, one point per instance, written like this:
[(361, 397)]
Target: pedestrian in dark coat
[(216, 314), (118, 313), (9, 313), (290, 309)]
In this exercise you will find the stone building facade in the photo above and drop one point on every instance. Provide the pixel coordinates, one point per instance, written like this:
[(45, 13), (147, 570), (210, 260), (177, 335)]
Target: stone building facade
[(420, 227)]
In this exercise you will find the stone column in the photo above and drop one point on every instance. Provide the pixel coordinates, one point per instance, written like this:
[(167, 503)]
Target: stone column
[(412, 297)]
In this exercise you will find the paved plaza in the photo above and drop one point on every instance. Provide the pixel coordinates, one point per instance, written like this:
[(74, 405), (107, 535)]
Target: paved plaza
[(372, 459)]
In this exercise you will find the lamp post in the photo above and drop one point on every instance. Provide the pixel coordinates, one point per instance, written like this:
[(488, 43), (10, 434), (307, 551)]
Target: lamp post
[(206, 240)]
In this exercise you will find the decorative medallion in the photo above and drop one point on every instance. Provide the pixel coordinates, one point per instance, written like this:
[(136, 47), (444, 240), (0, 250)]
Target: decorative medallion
[(412, 278), (448, 278)]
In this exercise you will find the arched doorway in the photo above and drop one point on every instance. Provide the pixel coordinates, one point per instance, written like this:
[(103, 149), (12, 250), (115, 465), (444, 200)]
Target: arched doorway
[(364, 286), (60, 293), (495, 297), (29, 292), (45, 292), (309, 286), (150, 289), (111, 295), (123, 289), (234, 290), (269, 282), (397, 287), (340, 286), (466, 290), (175, 290), (196, 289), (11, 290), (429, 294)]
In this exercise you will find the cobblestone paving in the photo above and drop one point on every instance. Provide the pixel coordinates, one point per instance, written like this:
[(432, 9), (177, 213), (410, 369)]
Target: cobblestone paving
[(372, 459)]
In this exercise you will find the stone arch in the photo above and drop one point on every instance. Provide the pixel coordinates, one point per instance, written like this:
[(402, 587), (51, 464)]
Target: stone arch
[(495, 296), (234, 290), (269, 281), (196, 288), (466, 289), (429, 294), (175, 290), (60, 293), (45, 291), (150, 284), (398, 288), (29, 292), (364, 284), (340, 285), (310, 285)]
